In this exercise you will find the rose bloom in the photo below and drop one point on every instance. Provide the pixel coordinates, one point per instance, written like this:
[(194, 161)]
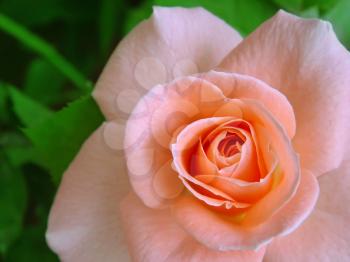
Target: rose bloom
[(234, 149)]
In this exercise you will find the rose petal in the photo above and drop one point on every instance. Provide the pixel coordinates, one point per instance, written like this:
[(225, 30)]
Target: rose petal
[(304, 60), (155, 122), (153, 235), (169, 41), (243, 86), (84, 220), (200, 164), (289, 169), (248, 192), (188, 139), (325, 235), (221, 232), (247, 169)]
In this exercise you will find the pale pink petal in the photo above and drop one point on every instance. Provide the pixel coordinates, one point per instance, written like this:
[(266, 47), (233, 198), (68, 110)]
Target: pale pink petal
[(303, 59), (325, 235), (153, 235), (84, 222), (171, 43), (244, 86), (223, 233)]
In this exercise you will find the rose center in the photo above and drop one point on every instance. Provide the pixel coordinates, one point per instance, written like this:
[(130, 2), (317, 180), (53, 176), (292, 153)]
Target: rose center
[(231, 144)]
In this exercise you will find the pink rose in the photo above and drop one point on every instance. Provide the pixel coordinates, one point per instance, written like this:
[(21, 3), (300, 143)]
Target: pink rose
[(225, 144)]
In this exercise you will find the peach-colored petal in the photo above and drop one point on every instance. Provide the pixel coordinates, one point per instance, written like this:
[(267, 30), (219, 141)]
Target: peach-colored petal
[(289, 170), (212, 152), (247, 168), (153, 235), (325, 235), (304, 60), (243, 86), (84, 221), (200, 164), (186, 142), (219, 199), (221, 232), (171, 43), (153, 126), (239, 190)]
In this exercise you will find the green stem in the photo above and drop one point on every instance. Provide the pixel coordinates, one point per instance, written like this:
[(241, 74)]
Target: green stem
[(45, 50)]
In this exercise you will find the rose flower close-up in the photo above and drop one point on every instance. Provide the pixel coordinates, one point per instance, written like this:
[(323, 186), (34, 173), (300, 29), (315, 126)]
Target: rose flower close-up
[(214, 147)]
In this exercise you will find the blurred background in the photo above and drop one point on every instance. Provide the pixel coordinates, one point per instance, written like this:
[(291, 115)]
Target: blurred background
[(51, 53)]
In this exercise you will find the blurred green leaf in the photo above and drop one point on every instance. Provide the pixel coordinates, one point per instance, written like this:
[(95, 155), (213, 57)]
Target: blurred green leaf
[(136, 15), (19, 155), (290, 5), (340, 19), (109, 22), (243, 15), (41, 190), (323, 5), (44, 49), (246, 16), (28, 110), (31, 246), (3, 104), (33, 12), (312, 12), (44, 82), (63, 134), (12, 203), (12, 138)]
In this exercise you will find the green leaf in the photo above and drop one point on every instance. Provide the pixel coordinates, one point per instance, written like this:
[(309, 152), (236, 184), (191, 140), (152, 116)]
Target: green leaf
[(291, 5), (63, 134), (33, 12), (136, 15), (246, 16), (340, 19), (12, 203), (311, 12), (3, 104), (31, 246), (109, 22), (243, 15), (44, 83), (12, 138), (28, 110), (44, 49), (323, 5), (19, 155)]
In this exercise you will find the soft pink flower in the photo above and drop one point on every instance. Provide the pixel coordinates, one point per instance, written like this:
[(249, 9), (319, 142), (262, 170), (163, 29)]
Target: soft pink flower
[(225, 144)]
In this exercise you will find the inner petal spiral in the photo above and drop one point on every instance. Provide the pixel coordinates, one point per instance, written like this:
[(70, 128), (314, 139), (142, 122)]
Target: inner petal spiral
[(231, 144)]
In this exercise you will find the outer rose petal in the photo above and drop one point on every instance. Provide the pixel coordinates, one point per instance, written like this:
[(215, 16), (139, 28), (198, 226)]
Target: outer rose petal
[(153, 235), (221, 233), (305, 61), (173, 39), (84, 220), (325, 235)]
